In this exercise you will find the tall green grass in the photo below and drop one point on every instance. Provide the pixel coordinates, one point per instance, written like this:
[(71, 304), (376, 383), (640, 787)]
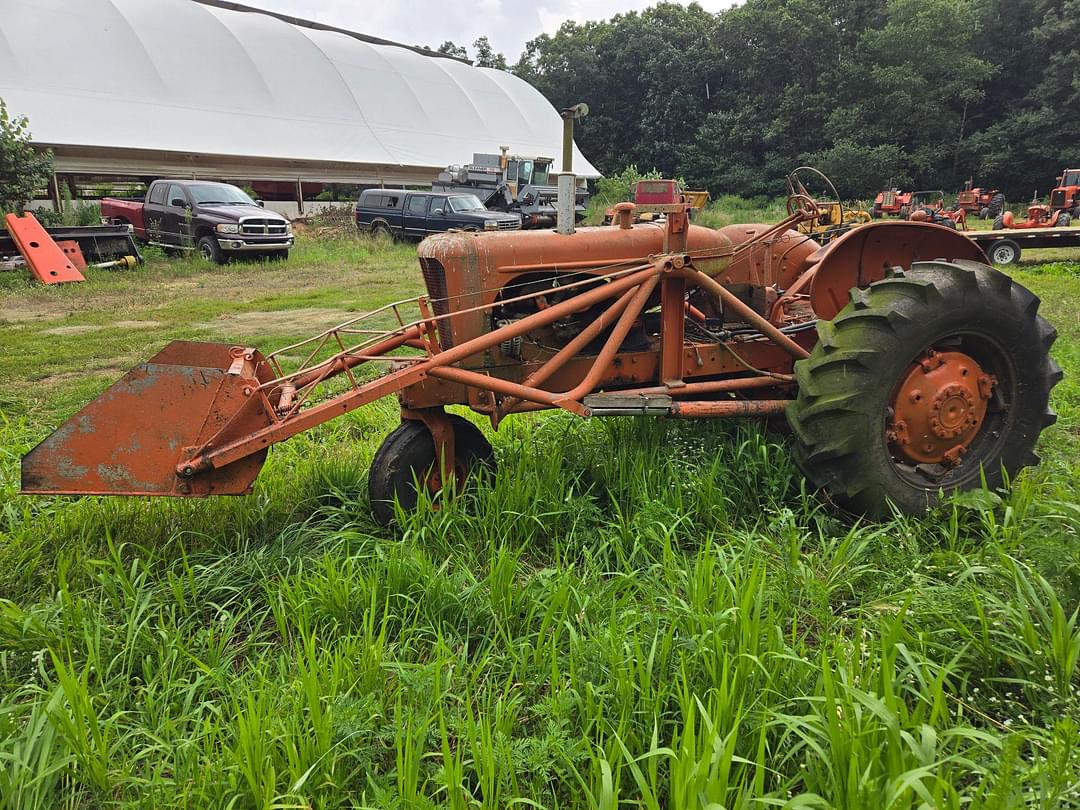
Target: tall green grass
[(635, 614)]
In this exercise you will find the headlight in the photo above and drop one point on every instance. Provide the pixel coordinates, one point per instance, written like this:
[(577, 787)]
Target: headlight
[(227, 228)]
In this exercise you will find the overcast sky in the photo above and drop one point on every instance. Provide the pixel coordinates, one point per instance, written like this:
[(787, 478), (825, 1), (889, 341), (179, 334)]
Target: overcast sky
[(509, 24)]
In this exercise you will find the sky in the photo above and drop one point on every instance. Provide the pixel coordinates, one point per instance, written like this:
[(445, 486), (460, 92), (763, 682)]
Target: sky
[(508, 24)]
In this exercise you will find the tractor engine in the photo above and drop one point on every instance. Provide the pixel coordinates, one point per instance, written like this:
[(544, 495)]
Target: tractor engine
[(491, 280)]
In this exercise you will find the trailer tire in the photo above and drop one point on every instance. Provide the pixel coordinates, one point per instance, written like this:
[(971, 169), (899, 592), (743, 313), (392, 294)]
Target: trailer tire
[(877, 358), (407, 455), (210, 250), (1004, 252)]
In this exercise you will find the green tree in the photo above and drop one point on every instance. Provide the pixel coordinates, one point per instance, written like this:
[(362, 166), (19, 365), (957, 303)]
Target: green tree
[(486, 55), (450, 49), (23, 169)]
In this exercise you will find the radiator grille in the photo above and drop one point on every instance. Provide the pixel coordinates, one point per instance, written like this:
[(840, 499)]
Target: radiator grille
[(253, 226), (1057, 198), (435, 281)]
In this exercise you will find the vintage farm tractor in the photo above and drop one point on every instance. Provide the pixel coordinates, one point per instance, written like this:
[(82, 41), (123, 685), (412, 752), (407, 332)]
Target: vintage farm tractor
[(834, 218), (1066, 195), (985, 203), (1039, 215), (906, 366)]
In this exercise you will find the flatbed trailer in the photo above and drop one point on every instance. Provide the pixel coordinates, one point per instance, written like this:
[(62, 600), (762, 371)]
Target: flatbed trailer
[(1004, 246)]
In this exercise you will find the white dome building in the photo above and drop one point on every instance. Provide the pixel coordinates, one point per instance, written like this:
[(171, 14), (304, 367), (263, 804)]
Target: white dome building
[(210, 88)]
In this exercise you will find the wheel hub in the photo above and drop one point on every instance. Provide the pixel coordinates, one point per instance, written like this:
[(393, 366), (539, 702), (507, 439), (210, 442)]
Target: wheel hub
[(939, 408)]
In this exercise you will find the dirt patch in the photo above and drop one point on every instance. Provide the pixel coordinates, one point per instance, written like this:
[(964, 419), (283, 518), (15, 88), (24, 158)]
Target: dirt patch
[(20, 313), (136, 324), (72, 330), (288, 321), (82, 374)]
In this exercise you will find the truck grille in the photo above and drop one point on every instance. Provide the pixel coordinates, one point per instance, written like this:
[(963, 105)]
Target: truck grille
[(435, 282), (1057, 199), (252, 226), (509, 225)]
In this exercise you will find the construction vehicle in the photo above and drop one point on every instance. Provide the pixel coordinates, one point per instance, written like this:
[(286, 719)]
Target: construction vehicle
[(906, 366), (835, 219), (651, 198), (1066, 195), (986, 203), (511, 183)]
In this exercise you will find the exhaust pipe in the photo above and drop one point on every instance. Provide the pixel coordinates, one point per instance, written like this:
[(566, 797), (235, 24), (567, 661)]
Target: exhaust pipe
[(567, 182)]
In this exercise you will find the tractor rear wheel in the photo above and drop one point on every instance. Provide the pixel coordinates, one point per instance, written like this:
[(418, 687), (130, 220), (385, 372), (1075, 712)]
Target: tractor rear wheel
[(875, 211), (984, 213), (1076, 212), (1064, 220), (407, 457), (996, 206), (999, 223), (924, 383)]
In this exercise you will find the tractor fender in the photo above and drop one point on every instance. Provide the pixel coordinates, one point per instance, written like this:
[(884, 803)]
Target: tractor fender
[(863, 255)]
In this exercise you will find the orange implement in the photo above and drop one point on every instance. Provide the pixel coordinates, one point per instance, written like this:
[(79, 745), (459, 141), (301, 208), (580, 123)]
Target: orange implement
[(43, 256), (73, 252)]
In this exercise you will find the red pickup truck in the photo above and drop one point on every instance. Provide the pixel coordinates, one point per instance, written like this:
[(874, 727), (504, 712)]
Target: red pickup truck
[(216, 219)]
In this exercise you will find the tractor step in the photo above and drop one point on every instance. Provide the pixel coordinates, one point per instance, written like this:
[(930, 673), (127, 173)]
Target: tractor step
[(616, 404)]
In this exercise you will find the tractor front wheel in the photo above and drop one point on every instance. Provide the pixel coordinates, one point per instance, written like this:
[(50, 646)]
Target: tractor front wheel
[(926, 382), (407, 457)]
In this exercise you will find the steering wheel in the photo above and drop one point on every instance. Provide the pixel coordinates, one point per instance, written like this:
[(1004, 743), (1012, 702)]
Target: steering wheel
[(797, 191)]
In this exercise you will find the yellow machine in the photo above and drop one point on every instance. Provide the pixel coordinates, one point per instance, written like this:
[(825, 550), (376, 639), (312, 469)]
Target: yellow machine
[(835, 218)]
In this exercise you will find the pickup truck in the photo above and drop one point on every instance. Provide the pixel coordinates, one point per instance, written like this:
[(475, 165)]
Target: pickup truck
[(216, 219), (418, 213)]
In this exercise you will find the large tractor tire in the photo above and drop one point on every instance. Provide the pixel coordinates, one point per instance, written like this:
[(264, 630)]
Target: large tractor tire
[(923, 384), (996, 206), (407, 457), (875, 211), (1064, 220), (999, 222)]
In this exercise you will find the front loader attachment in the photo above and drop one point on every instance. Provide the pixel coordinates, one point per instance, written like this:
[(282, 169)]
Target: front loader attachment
[(130, 440)]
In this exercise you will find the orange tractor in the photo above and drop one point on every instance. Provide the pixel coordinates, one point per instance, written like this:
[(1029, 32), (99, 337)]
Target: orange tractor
[(1039, 215), (905, 365), (985, 203), (1066, 196)]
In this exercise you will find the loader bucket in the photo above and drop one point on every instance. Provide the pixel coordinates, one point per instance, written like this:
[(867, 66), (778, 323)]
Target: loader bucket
[(130, 439)]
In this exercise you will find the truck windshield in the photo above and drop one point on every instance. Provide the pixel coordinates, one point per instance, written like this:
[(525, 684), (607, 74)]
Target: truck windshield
[(540, 176), (219, 195), (466, 202), (525, 168)]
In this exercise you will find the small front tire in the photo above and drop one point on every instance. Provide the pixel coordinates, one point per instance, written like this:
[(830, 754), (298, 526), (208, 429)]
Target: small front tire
[(210, 250), (407, 457)]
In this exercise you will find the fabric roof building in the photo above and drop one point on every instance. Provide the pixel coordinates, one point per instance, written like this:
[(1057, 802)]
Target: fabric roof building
[(166, 86)]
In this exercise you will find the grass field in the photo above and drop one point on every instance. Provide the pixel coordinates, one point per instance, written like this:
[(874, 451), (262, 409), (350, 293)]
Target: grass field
[(674, 624)]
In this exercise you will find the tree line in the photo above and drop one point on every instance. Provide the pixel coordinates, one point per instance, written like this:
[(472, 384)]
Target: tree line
[(873, 92)]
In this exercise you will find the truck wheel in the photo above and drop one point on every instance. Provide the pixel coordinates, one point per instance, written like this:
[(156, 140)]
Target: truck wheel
[(210, 250), (926, 382), (381, 230), (1004, 251), (407, 456)]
